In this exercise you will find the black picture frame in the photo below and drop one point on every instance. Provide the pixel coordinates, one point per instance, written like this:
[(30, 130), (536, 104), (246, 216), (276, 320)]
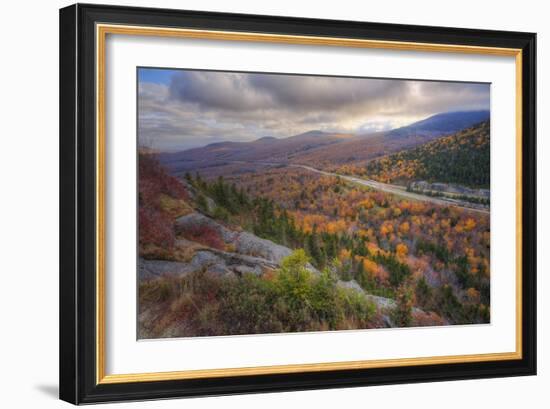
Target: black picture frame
[(78, 360)]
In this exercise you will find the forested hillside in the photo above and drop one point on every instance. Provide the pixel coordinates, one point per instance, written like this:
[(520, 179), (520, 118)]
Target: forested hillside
[(284, 249), (436, 256), (462, 158), (356, 151)]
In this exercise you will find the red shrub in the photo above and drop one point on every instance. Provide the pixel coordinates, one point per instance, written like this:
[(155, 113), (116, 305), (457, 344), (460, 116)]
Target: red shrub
[(426, 319), (156, 228), (154, 181), (205, 235), (155, 225)]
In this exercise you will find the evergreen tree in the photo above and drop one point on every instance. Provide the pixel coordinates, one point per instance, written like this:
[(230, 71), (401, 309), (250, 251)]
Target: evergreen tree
[(423, 293), (313, 248), (402, 314)]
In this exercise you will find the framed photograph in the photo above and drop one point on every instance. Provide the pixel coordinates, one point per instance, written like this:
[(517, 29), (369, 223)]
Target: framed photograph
[(258, 203)]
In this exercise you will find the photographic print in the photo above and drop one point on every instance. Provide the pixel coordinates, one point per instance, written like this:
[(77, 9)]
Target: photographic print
[(255, 204), (276, 203)]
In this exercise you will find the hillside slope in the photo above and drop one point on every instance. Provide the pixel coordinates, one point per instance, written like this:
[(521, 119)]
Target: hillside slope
[(360, 149), (462, 158)]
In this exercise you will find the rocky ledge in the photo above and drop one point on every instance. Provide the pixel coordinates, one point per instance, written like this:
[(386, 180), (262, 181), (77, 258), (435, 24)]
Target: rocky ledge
[(250, 255)]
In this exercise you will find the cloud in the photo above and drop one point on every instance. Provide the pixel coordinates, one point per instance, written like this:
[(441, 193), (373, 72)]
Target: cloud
[(199, 107), (218, 90)]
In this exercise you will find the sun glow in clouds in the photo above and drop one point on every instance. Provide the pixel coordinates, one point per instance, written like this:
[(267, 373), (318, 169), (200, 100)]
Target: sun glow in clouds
[(182, 109)]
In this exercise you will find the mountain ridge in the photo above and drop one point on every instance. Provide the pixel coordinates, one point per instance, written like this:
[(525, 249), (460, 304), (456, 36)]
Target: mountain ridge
[(367, 147), (322, 147)]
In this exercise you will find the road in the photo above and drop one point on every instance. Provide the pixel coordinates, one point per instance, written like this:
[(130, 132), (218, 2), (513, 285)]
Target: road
[(385, 187), (397, 190)]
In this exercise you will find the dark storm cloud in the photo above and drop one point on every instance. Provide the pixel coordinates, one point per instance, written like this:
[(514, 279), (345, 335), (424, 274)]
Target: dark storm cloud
[(227, 91), (239, 92), (324, 93), (199, 107)]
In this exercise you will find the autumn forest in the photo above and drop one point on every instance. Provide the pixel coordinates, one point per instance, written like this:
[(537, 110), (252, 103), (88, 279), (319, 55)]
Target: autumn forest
[(320, 230)]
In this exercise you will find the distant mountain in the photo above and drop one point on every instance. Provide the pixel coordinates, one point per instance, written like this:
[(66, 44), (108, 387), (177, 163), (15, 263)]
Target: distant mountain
[(266, 149), (319, 148), (266, 138), (366, 147), (440, 124), (310, 134)]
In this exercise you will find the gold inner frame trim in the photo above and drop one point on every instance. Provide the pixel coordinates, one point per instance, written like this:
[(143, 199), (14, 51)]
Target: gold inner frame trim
[(102, 30)]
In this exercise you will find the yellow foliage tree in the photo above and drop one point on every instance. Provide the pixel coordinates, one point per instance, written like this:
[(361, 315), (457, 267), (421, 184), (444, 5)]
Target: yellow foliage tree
[(470, 224), (404, 228), (401, 250)]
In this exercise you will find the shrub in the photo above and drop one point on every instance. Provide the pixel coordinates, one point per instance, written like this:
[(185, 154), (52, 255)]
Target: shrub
[(154, 180), (158, 195), (155, 228), (426, 319), (203, 234), (291, 300)]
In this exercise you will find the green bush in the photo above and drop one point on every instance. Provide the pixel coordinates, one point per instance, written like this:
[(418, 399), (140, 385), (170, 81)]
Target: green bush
[(291, 300)]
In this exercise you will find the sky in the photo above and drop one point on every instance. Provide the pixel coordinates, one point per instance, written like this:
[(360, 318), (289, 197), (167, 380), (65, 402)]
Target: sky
[(183, 109)]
